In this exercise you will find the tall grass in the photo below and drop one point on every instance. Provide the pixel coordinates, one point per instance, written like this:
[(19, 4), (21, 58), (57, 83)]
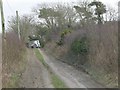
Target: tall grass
[(13, 56)]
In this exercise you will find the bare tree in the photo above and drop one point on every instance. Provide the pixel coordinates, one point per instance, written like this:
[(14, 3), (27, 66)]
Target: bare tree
[(111, 14), (26, 25)]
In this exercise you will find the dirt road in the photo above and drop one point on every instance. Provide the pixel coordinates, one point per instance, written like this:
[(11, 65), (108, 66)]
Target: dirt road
[(35, 75), (72, 77)]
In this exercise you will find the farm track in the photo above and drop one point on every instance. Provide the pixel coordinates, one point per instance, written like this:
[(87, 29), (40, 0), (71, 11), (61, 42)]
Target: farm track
[(35, 75)]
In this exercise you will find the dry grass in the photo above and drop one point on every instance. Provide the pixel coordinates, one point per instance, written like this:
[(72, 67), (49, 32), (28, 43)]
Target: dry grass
[(103, 54), (13, 57)]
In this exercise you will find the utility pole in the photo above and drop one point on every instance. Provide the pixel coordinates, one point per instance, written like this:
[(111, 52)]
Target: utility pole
[(18, 28), (2, 19)]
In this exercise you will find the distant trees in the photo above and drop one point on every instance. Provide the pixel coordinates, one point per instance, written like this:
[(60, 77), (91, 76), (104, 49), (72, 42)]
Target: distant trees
[(99, 10), (56, 18), (84, 13)]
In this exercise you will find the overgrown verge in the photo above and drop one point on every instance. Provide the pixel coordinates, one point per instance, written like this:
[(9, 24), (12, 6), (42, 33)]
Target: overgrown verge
[(14, 60), (97, 55), (56, 81)]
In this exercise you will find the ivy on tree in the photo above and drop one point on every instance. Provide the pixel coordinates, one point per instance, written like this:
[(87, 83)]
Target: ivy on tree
[(99, 10)]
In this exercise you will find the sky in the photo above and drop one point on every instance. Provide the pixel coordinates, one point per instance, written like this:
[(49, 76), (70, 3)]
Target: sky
[(25, 6)]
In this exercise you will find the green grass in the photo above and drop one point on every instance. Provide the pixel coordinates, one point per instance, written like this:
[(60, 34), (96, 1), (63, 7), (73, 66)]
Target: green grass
[(56, 81), (40, 57), (13, 81)]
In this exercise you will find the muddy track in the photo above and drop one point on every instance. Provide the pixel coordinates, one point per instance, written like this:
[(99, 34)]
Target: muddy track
[(35, 75)]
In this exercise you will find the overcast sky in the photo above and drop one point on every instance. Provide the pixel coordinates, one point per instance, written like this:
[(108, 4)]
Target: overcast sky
[(25, 6)]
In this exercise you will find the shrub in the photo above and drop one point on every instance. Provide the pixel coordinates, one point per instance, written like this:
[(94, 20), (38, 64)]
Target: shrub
[(80, 46)]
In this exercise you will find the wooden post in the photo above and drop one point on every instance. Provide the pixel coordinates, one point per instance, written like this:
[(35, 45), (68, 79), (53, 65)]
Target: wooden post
[(2, 19)]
